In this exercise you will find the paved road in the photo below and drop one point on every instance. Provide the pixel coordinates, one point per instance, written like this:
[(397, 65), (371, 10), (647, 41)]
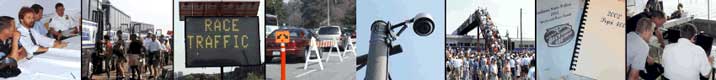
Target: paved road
[(113, 74), (333, 69)]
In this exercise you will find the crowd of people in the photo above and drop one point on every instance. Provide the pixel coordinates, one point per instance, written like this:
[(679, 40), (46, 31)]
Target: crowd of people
[(29, 35), (466, 64), (135, 55), (681, 57)]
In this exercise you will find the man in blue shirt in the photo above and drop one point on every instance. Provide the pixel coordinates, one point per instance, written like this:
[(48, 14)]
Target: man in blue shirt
[(39, 23)]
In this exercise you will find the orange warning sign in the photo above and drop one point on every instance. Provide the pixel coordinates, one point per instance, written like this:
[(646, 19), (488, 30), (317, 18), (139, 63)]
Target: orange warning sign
[(282, 37)]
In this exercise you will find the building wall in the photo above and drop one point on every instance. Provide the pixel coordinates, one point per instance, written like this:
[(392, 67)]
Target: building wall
[(88, 6), (118, 18)]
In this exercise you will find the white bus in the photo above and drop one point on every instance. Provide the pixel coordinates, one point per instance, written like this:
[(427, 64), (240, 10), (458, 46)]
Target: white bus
[(89, 30)]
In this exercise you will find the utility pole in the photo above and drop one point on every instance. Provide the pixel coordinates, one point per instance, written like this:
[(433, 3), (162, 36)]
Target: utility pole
[(329, 12), (520, 27)]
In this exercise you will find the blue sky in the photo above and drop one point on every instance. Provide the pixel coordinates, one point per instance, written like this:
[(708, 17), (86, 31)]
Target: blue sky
[(422, 57)]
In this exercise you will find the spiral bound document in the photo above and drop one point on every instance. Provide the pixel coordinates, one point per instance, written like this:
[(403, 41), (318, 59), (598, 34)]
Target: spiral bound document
[(599, 51), (558, 22)]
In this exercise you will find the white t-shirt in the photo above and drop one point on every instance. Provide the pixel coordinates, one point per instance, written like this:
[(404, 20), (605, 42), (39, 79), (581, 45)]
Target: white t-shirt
[(154, 45), (494, 68), (457, 63), (685, 61), (637, 51), (526, 61), (512, 63)]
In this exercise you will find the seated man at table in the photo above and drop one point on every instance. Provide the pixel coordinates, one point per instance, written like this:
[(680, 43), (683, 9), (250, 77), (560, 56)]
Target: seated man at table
[(40, 25), (61, 26), (684, 60), (30, 39), (10, 52), (9, 38)]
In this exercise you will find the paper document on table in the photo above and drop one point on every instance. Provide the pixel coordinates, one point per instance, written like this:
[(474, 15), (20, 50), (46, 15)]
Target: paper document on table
[(558, 22), (600, 48)]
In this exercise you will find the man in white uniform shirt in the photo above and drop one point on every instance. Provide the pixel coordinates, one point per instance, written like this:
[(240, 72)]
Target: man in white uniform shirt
[(62, 25), (30, 39), (684, 60), (637, 47)]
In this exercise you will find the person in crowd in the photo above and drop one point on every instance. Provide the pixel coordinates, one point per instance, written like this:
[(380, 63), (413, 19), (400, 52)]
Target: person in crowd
[(638, 47), (657, 17), (147, 39), (512, 66), (531, 73), (684, 60), (170, 50), (107, 45), (106, 52), (119, 51), (678, 13), (135, 50), (494, 68), (155, 48)]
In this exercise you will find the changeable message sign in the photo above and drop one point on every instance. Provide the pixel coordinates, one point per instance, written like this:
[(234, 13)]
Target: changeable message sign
[(222, 41)]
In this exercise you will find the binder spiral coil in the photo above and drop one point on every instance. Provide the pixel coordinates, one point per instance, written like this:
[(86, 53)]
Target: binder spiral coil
[(580, 32)]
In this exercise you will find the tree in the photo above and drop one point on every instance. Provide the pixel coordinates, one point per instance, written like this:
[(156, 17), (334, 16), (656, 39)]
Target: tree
[(314, 12), (275, 7)]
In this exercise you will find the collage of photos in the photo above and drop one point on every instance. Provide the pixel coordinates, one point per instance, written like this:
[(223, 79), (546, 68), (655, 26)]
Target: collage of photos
[(357, 40)]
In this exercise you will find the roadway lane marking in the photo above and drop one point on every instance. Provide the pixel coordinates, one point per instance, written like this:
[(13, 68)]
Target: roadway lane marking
[(302, 74)]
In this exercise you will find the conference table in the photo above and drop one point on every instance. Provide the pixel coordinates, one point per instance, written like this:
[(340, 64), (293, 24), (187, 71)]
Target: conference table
[(55, 64)]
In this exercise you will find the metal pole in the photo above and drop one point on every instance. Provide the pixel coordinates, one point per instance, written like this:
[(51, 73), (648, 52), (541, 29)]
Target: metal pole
[(378, 53), (222, 72), (105, 19), (329, 12)]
